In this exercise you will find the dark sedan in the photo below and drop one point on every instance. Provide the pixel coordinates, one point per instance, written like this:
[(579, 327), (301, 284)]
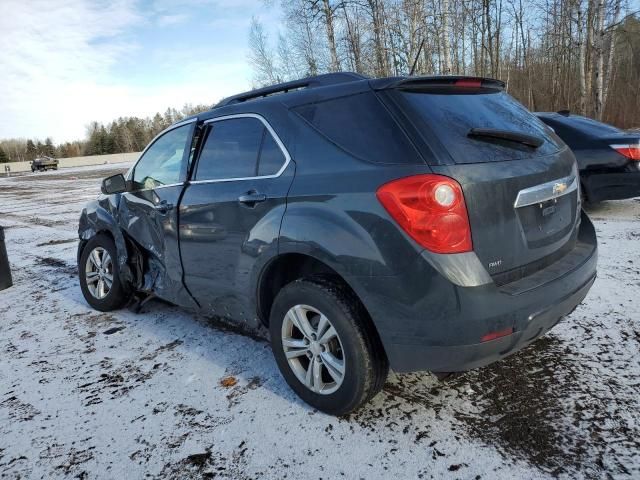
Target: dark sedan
[(608, 158)]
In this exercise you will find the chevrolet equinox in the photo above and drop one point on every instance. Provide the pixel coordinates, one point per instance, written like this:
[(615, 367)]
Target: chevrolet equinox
[(411, 223)]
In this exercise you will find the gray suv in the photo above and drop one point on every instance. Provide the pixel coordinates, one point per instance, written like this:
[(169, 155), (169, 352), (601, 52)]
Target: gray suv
[(420, 223)]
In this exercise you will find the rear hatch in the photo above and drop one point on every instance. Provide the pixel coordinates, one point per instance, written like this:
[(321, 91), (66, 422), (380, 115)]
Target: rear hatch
[(519, 180)]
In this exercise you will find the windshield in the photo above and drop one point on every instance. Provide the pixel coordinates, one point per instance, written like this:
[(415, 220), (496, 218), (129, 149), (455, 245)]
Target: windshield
[(451, 117)]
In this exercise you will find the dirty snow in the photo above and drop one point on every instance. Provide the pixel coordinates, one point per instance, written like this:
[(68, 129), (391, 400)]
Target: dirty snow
[(170, 394)]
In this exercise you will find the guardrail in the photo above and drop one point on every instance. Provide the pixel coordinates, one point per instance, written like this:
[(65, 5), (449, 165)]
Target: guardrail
[(17, 167)]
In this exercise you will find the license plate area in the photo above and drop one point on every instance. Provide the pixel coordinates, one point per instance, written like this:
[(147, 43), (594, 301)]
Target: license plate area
[(546, 222)]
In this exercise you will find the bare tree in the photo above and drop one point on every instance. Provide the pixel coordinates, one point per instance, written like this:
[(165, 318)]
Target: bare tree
[(446, 40), (612, 51), (261, 56), (328, 14), (599, 59), (554, 54), (376, 10)]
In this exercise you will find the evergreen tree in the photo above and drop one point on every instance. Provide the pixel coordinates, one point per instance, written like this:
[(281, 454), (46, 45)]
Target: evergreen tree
[(49, 150), (106, 140), (168, 117), (158, 124), (94, 143), (3, 156), (124, 135), (32, 151)]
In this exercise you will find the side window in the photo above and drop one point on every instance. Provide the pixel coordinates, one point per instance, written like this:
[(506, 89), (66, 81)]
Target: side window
[(163, 162), (238, 148), (360, 125), (230, 149), (271, 157)]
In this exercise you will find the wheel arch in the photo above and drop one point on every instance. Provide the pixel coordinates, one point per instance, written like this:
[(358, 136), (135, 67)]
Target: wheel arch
[(99, 217), (288, 267)]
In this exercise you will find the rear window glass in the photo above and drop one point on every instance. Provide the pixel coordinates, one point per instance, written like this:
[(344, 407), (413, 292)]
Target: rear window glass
[(590, 126), (450, 117), (360, 125)]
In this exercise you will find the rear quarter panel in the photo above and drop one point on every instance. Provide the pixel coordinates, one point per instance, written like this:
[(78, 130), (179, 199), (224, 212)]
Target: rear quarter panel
[(333, 213)]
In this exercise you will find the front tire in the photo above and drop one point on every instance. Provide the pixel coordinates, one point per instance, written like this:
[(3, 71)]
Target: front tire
[(99, 274), (324, 346)]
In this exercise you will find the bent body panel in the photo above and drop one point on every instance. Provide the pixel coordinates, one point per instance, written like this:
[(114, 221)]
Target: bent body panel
[(155, 229), (101, 216), (224, 242)]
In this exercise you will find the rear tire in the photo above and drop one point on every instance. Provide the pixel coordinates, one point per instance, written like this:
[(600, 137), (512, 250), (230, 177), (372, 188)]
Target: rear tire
[(351, 348), (99, 274)]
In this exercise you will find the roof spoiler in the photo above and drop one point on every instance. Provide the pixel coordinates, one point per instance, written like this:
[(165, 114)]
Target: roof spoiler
[(317, 81), (442, 82)]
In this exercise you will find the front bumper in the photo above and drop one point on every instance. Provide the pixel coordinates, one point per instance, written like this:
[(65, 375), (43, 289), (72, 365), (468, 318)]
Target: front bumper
[(611, 186), (426, 322)]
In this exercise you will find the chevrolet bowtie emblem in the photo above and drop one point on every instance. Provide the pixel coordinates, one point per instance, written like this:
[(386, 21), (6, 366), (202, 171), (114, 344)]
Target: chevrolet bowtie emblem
[(559, 188)]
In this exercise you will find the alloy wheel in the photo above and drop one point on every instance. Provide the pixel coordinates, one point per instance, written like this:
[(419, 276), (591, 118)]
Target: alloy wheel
[(313, 349), (99, 273)]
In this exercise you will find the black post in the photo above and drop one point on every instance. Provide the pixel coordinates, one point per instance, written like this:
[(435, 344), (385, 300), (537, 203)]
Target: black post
[(5, 270)]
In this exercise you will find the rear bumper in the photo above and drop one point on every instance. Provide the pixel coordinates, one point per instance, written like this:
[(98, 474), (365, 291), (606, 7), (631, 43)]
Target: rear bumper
[(611, 186), (427, 323), (455, 358)]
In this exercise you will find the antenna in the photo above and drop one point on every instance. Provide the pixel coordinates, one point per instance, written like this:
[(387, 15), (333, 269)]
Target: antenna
[(415, 61)]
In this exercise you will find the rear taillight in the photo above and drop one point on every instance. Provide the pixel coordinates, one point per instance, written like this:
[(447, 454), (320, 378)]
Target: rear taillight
[(631, 151), (431, 210)]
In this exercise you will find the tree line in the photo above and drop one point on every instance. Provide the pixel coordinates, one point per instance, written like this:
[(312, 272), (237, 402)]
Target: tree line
[(124, 135), (582, 55)]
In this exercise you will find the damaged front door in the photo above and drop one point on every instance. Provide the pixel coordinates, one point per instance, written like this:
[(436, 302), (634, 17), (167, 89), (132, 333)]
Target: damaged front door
[(149, 211)]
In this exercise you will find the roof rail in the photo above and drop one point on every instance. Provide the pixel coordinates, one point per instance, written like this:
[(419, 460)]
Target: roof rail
[(316, 81)]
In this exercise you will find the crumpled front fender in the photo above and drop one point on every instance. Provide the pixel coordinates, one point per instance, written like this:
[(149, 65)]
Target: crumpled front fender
[(100, 216)]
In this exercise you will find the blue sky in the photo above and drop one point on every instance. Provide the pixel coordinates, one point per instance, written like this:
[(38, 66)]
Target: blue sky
[(66, 63)]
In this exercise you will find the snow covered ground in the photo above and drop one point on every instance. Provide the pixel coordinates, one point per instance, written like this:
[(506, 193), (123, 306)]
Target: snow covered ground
[(122, 395)]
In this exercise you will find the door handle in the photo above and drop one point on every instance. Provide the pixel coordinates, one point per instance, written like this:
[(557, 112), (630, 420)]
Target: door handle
[(164, 207), (251, 198)]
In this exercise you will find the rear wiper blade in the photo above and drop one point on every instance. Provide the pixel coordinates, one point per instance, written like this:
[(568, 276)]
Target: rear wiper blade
[(510, 136)]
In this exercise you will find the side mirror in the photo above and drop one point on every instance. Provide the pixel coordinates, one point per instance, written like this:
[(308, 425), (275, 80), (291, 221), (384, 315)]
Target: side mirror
[(114, 184)]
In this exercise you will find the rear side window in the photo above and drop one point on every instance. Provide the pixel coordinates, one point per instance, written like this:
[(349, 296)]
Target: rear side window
[(238, 148), (360, 125), (271, 157), (450, 117)]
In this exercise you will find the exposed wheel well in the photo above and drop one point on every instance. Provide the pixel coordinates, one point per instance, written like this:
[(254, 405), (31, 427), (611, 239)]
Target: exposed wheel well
[(132, 272), (82, 242), (283, 270), (103, 231)]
